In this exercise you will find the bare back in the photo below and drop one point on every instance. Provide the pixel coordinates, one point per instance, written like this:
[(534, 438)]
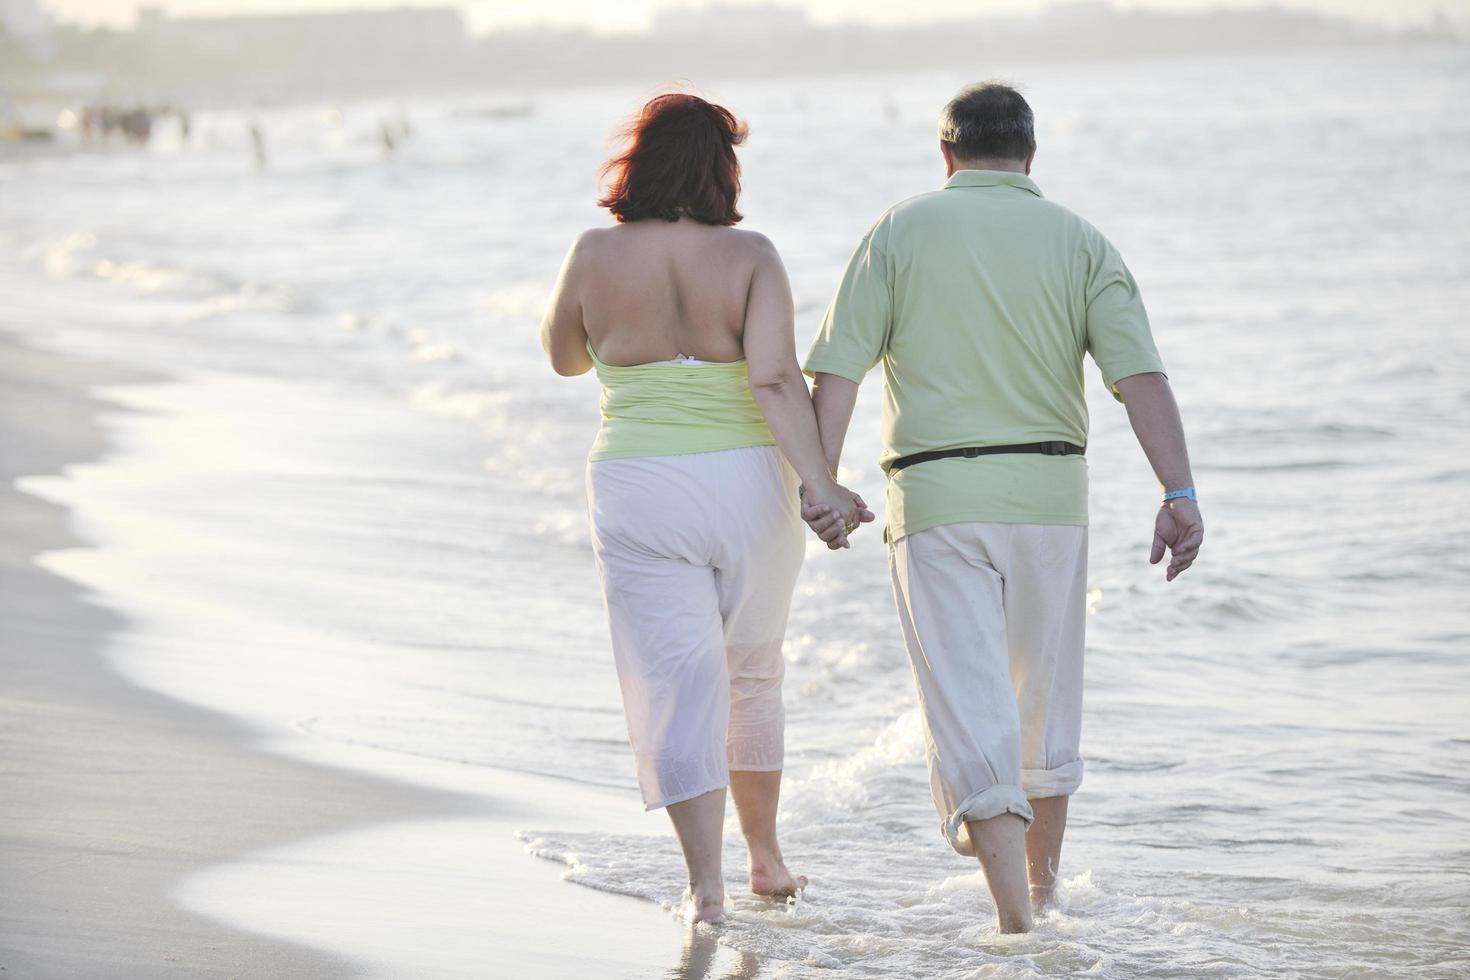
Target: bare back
[(652, 290)]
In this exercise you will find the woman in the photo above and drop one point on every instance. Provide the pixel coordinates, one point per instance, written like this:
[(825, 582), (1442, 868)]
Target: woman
[(696, 526)]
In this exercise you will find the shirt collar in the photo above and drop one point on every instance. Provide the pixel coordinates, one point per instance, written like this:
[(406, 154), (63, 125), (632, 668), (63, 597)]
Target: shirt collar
[(992, 178)]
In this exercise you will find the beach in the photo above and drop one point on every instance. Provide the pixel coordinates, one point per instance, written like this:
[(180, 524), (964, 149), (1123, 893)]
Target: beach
[(115, 794), (307, 670)]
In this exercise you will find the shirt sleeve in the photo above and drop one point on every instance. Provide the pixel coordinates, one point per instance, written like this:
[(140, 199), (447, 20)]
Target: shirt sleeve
[(1118, 335), (855, 330)]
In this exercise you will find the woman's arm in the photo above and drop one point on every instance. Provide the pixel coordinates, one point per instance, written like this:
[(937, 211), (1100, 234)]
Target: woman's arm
[(780, 389), (563, 335)]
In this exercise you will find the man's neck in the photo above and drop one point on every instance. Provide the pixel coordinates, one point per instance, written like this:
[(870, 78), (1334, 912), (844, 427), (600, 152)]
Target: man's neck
[(1014, 166)]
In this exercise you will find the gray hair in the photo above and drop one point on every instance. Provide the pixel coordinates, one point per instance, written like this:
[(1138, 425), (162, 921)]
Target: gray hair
[(988, 121)]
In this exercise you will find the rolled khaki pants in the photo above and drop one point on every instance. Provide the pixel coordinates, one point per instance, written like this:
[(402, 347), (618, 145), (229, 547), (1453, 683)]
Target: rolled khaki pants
[(994, 615)]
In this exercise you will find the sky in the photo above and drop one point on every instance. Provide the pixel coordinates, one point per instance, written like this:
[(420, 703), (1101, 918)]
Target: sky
[(632, 15)]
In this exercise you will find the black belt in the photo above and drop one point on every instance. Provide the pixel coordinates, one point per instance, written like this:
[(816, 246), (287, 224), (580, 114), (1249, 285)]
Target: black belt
[(970, 452)]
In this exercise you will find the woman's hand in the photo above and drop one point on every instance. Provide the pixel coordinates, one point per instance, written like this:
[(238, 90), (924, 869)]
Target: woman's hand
[(833, 512)]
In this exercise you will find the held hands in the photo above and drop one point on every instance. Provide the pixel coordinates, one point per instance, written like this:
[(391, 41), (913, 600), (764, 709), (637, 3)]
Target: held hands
[(1180, 529), (833, 512)]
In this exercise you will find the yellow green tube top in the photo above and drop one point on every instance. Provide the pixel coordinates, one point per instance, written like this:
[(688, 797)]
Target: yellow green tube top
[(670, 408)]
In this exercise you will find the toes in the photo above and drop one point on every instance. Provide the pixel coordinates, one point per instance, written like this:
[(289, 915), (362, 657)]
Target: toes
[(781, 886)]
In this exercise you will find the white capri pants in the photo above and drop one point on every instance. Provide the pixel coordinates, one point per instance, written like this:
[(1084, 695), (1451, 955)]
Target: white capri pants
[(994, 615), (698, 555)]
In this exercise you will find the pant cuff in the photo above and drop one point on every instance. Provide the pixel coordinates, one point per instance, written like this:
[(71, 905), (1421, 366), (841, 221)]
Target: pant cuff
[(982, 805), (680, 797), (1041, 784)]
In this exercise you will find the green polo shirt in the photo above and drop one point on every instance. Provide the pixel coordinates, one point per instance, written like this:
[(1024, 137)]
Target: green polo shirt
[(980, 300)]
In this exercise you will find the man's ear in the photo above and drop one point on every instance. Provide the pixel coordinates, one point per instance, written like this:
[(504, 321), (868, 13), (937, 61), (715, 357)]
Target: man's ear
[(948, 155), (1029, 158)]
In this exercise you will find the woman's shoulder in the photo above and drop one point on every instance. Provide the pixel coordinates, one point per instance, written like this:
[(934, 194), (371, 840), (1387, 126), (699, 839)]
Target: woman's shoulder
[(750, 244), (593, 238), (751, 239), (591, 248)]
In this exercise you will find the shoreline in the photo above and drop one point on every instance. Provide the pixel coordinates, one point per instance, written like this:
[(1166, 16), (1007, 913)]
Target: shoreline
[(114, 792), (119, 800)]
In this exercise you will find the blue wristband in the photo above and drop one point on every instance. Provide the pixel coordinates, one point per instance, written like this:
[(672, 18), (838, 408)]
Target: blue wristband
[(1181, 492)]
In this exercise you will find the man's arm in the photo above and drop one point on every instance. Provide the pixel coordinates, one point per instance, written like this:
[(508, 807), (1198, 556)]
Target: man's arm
[(1154, 416), (833, 398), (853, 335)]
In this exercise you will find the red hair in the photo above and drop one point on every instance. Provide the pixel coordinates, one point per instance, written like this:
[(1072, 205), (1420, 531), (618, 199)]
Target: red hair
[(679, 159)]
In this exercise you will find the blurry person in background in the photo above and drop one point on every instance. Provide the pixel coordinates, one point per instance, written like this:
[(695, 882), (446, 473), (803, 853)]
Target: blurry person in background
[(692, 482), (980, 300), (257, 145), (392, 133), (137, 125)]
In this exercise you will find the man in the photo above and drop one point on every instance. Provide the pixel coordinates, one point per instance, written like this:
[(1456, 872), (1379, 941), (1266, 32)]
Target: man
[(980, 300)]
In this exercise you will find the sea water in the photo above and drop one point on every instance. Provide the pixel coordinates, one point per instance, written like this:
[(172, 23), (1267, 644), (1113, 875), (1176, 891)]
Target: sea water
[(357, 519)]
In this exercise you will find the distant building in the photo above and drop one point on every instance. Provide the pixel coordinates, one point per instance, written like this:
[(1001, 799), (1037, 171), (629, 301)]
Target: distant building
[(326, 52), (1079, 14), (23, 22), (365, 34), (725, 20)]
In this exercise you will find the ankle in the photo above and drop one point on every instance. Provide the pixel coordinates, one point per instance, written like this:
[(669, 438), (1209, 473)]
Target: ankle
[(1014, 922), (707, 891), (703, 903), (765, 859)]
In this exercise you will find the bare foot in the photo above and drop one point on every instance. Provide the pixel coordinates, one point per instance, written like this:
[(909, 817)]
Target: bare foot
[(1046, 899), (775, 881), (695, 909)]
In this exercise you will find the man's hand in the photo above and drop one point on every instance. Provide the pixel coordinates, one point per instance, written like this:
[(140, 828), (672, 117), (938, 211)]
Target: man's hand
[(1179, 529), (828, 524)]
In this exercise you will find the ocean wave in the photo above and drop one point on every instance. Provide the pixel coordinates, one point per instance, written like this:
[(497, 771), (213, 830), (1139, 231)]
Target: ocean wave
[(1283, 466), (899, 915), (209, 293)]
